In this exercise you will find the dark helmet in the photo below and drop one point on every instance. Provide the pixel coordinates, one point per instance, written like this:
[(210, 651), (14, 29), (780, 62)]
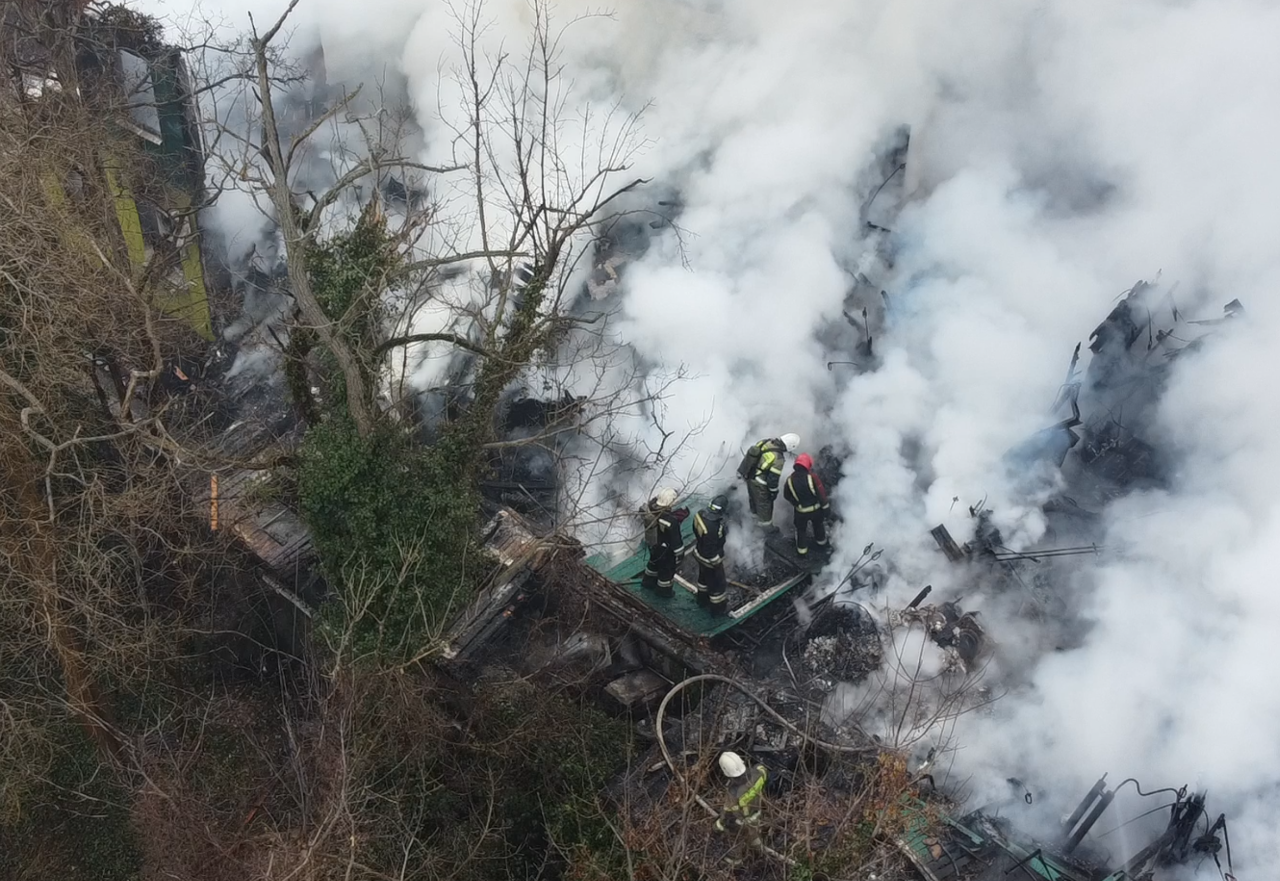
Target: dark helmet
[(718, 504)]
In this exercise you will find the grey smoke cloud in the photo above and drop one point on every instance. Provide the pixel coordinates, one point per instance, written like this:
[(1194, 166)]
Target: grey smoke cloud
[(1060, 151)]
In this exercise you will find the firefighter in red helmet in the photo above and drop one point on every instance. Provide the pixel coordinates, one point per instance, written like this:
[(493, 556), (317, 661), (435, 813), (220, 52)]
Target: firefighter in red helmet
[(807, 495)]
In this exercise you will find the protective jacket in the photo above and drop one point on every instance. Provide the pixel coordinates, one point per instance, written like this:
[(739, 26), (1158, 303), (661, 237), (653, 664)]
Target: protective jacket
[(709, 533), (768, 469), (804, 490), (662, 527), (743, 804), (666, 546)]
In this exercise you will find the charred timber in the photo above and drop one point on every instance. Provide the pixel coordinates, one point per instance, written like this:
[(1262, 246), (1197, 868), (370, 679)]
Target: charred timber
[(648, 625)]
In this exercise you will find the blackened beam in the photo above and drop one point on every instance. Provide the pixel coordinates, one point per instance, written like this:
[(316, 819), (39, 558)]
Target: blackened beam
[(928, 588), (947, 543), (1182, 820), (1087, 823), (484, 617), (271, 582), (648, 624)]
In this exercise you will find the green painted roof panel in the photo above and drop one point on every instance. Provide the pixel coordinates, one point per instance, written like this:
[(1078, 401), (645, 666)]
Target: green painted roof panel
[(683, 609)]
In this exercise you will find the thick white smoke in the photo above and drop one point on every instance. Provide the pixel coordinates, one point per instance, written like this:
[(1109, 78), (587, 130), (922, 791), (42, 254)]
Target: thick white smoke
[(1061, 150)]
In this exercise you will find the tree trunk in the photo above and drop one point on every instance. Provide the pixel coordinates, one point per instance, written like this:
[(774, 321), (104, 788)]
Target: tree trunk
[(358, 399)]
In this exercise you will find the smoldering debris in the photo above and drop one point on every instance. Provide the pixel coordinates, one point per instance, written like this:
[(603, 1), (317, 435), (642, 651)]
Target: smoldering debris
[(625, 239), (951, 628), (840, 644), (1105, 444)]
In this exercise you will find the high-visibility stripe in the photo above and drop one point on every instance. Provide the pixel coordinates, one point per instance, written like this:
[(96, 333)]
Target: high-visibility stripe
[(770, 462), (817, 505), (750, 795)]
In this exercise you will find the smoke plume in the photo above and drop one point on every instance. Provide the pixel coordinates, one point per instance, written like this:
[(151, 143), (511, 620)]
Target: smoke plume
[(1059, 152)]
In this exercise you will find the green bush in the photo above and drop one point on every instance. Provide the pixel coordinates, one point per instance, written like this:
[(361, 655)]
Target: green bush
[(395, 527), (394, 522), (554, 756)]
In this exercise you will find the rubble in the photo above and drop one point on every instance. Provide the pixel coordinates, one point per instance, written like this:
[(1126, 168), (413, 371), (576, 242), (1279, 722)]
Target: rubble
[(984, 845), (625, 240), (953, 629), (1133, 351), (840, 644)]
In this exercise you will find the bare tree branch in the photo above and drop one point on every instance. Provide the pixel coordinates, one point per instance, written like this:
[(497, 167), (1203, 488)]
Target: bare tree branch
[(452, 338)]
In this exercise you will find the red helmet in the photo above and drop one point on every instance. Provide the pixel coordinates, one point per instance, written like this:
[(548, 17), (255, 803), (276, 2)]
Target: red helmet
[(805, 461)]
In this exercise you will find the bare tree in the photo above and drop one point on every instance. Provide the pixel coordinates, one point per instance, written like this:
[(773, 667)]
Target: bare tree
[(102, 552)]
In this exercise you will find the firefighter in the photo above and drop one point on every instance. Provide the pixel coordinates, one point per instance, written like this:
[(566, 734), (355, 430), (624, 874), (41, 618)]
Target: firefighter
[(761, 467), (665, 543), (709, 534), (741, 812), (805, 492)]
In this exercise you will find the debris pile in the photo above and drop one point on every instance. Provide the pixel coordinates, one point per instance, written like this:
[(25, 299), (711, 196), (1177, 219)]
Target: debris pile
[(954, 630), (841, 644)]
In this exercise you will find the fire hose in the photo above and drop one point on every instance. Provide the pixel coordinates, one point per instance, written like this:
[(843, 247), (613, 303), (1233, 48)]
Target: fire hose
[(774, 714)]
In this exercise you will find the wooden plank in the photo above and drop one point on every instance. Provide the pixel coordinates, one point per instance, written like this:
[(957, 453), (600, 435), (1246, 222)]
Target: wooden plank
[(743, 612)]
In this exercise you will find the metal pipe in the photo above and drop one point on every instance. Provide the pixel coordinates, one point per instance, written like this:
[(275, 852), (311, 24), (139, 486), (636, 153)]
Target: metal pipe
[(1087, 823), (1084, 804)]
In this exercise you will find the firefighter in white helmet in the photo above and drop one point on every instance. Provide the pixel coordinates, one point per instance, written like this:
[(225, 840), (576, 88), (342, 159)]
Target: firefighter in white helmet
[(742, 808), (761, 468), (663, 537)]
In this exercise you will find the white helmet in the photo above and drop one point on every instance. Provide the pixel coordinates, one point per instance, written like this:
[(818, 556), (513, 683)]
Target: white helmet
[(666, 497), (790, 441), (732, 765)]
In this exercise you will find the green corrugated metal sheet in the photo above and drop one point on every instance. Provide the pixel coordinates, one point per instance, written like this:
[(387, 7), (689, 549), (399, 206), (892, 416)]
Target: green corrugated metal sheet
[(682, 609), (919, 832)]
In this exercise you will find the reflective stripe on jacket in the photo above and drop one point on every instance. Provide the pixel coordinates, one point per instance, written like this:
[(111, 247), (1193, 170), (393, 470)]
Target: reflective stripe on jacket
[(709, 535), (743, 804), (807, 494), (768, 471)]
